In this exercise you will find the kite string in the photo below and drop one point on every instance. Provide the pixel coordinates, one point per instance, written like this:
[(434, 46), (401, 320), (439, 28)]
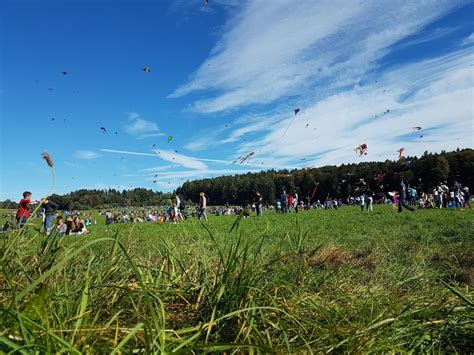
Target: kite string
[(286, 130)]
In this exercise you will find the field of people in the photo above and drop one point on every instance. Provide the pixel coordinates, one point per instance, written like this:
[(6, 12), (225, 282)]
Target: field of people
[(316, 281)]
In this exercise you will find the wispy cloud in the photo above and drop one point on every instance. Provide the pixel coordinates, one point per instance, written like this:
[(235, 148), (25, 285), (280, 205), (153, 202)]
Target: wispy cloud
[(278, 49), (183, 160), (432, 94), (141, 128), (86, 154), (469, 39)]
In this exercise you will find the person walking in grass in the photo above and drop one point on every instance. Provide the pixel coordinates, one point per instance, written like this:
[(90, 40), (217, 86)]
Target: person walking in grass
[(258, 203), (402, 195), (467, 197), (369, 199), (202, 206), (49, 208), (284, 202)]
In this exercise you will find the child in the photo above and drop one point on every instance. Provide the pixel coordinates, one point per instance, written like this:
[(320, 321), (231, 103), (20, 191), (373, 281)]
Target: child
[(61, 227), (24, 209)]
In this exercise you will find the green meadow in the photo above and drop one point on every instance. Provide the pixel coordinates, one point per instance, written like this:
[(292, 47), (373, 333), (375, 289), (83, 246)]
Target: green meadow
[(318, 281)]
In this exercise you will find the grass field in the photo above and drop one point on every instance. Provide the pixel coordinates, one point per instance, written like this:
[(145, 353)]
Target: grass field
[(318, 281)]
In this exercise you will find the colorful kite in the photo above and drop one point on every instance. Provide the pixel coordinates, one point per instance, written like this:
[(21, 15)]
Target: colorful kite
[(361, 149), (147, 70), (170, 138), (243, 158), (103, 130)]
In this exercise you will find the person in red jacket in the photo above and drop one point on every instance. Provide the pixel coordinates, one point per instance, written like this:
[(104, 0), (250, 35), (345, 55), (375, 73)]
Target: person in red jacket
[(24, 209)]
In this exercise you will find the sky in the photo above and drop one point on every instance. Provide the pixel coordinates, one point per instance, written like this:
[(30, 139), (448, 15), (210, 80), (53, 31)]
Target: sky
[(225, 80)]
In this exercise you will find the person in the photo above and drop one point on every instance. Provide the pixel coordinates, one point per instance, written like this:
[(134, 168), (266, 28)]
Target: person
[(23, 212), (278, 206), (284, 202), (402, 195), (458, 202), (202, 206), (258, 203), (290, 203), (49, 208), (362, 202), (467, 197), (78, 226), (412, 191), (178, 209), (70, 226), (61, 227), (369, 199)]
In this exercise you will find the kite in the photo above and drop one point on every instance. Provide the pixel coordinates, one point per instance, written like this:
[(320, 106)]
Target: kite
[(153, 146), (303, 159), (226, 126), (417, 128), (206, 2), (243, 158), (170, 138), (53, 119), (376, 116), (103, 130), (64, 72), (361, 149), (421, 136), (154, 181), (296, 110), (307, 124), (48, 159), (400, 153), (147, 70), (175, 151), (388, 111), (50, 89), (116, 133)]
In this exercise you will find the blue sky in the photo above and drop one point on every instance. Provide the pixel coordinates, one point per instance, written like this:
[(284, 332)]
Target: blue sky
[(224, 82)]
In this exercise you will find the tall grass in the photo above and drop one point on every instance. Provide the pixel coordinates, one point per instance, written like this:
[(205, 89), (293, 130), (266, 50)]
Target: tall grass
[(321, 281)]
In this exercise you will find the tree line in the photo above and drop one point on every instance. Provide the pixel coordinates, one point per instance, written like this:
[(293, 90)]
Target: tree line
[(342, 181)]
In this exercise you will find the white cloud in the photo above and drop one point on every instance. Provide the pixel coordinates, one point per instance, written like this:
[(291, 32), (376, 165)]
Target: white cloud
[(141, 128), (183, 160), (434, 94), (469, 39), (86, 154), (279, 49)]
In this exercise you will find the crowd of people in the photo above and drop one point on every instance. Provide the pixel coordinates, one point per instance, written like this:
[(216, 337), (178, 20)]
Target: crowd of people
[(71, 223)]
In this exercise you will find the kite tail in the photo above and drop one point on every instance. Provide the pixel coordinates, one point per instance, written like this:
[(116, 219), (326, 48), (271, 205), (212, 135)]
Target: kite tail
[(314, 191)]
